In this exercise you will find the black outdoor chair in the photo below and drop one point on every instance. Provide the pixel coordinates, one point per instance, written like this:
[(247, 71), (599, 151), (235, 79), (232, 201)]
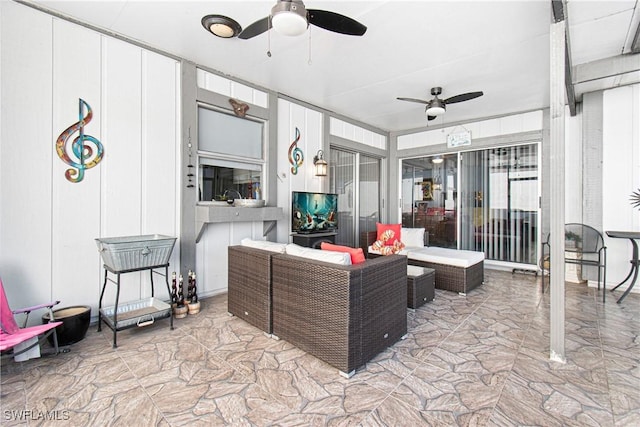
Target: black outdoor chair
[(588, 244)]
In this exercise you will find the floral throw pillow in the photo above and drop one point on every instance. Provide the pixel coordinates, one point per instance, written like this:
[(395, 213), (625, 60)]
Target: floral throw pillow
[(388, 241), (389, 233)]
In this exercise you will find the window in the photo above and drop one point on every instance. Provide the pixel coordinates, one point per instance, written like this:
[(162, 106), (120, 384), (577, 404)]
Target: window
[(231, 156)]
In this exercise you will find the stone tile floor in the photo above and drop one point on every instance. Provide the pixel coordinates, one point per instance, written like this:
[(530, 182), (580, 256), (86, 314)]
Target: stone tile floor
[(479, 360)]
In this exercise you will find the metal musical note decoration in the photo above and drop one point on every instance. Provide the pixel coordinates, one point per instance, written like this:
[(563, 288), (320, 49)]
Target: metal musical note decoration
[(296, 157), (86, 156)]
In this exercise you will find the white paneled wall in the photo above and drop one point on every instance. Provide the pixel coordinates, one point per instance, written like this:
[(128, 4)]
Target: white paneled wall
[(48, 224), (211, 253), (75, 207), (355, 133), (621, 175), (309, 122), (573, 168), (26, 155), (232, 89), (483, 129)]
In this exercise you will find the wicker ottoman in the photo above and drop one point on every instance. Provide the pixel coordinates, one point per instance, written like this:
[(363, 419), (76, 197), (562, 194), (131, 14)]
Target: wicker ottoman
[(420, 285)]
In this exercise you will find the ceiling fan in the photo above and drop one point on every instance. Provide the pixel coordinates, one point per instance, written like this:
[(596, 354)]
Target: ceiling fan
[(437, 106), (291, 18)]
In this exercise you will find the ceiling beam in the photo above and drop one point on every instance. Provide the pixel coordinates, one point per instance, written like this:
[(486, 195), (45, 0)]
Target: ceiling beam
[(635, 43), (606, 73), (559, 10)]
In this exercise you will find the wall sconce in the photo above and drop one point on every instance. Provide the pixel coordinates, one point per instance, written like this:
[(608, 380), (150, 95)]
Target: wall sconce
[(320, 164)]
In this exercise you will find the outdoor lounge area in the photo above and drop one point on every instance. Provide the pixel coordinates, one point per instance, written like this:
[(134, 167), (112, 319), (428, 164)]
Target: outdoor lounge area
[(402, 172), (475, 360)]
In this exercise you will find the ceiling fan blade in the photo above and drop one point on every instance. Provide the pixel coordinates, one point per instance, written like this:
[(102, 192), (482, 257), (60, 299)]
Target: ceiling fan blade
[(255, 29), (463, 97), (335, 22), (421, 101)]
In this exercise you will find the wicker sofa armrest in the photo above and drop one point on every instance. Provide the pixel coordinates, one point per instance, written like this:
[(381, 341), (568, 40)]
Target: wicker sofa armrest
[(343, 315), (249, 285)]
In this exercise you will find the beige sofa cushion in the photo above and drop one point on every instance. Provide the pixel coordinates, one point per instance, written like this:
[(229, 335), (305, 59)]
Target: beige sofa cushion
[(264, 244), (453, 257), (341, 258), (412, 237)]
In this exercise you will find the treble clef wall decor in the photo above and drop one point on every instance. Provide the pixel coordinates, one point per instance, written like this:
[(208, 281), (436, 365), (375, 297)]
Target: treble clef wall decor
[(296, 157), (84, 153)]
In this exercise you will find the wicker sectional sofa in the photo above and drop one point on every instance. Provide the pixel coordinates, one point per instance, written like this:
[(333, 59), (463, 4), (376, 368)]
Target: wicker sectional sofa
[(456, 270), (249, 285), (449, 275), (342, 314)]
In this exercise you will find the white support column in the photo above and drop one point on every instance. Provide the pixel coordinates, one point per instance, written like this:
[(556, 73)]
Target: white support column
[(557, 181)]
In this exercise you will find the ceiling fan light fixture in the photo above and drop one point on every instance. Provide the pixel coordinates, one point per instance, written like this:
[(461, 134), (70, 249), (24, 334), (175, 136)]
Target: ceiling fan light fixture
[(435, 108), (437, 160), (289, 18), (221, 26)]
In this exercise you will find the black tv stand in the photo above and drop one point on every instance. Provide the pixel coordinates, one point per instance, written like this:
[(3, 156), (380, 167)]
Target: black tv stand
[(313, 240)]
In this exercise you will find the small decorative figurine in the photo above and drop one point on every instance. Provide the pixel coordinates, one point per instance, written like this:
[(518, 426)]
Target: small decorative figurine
[(181, 309), (174, 290), (189, 286), (194, 304)]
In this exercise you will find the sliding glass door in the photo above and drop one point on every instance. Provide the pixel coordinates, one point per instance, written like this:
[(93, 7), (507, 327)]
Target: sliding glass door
[(485, 200), (499, 203), (429, 197), (369, 193), (355, 178)]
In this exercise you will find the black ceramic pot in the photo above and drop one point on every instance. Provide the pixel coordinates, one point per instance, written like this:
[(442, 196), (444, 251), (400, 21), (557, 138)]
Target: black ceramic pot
[(75, 323)]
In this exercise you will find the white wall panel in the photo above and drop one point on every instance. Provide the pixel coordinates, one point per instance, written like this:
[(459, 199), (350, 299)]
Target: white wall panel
[(76, 206), (47, 224), (26, 155), (160, 159), (485, 127), (230, 88), (621, 175), (309, 122), (122, 165), (213, 82), (349, 131), (512, 124), (241, 92), (211, 259), (482, 129), (573, 168), (260, 98), (212, 254)]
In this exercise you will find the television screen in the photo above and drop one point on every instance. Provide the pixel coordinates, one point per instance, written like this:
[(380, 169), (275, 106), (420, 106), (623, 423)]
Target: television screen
[(313, 212)]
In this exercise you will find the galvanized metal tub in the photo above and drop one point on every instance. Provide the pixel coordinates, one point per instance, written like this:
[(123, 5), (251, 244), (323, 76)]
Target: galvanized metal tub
[(139, 313), (135, 252)]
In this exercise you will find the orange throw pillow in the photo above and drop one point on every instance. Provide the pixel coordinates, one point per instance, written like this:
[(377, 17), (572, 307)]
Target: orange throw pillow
[(388, 233), (357, 255)]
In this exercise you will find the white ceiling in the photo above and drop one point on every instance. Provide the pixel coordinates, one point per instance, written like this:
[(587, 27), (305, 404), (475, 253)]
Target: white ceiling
[(499, 47)]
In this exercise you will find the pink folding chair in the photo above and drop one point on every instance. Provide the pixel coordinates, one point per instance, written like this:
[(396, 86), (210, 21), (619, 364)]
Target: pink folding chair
[(16, 340)]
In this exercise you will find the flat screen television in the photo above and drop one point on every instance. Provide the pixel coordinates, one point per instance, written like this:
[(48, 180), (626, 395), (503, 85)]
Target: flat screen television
[(313, 212)]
